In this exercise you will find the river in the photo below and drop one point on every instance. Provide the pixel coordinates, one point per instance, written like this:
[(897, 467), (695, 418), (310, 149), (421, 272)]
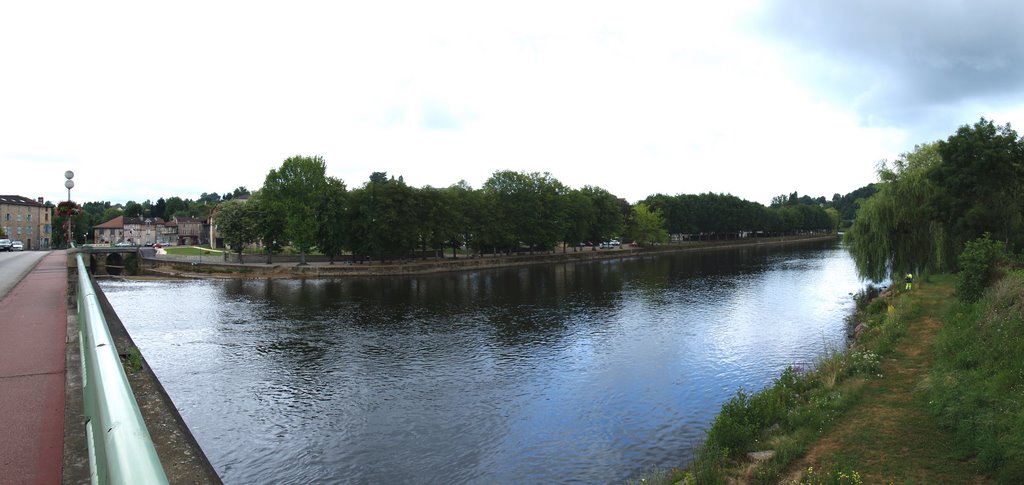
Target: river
[(589, 372)]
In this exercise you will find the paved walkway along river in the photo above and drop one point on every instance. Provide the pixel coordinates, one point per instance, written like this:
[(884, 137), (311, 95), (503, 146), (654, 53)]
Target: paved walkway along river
[(33, 323)]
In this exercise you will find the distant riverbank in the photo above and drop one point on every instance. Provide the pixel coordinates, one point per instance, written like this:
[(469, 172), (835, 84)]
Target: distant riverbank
[(285, 266)]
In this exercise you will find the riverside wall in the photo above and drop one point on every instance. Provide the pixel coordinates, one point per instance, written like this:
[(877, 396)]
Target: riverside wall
[(255, 266)]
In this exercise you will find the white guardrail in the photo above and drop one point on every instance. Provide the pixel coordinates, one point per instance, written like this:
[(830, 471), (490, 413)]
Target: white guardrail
[(120, 448)]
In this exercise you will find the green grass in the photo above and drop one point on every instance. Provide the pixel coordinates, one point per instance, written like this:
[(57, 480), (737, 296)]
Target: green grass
[(132, 360), (193, 251), (976, 387)]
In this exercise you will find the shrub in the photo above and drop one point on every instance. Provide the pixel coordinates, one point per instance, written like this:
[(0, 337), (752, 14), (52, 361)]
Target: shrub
[(877, 306), (978, 263)]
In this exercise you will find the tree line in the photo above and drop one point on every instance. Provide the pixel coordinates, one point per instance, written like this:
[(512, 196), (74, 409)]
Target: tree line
[(300, 206), (386, 218), (933, 200), (717, 216)]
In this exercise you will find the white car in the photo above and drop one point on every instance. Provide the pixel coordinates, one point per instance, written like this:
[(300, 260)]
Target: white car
[(17, 246)]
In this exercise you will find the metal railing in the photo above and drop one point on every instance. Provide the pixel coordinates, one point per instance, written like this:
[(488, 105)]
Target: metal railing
[(120, 448)]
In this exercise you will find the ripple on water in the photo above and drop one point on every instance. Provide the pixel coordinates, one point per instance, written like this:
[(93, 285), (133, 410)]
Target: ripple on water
[(590, 372)]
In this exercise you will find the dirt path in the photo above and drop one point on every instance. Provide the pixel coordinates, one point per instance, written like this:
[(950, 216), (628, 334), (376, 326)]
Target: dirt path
[(890, 436)]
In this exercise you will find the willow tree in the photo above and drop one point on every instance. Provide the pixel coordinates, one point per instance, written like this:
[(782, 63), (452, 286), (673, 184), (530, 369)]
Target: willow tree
[(895, 232)]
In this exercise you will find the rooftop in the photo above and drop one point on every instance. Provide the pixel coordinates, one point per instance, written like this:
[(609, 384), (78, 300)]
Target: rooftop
[(19, 200)]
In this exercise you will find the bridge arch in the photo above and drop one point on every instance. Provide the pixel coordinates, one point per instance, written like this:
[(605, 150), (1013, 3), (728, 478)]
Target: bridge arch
[(115, 264)]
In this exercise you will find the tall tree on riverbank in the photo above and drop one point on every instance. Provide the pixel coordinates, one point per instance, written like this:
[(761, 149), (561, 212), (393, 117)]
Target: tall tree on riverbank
[(894, 232), (531, 205), (331, 232), (648, 226), (608, 221), (238, 223), (382, 218), (294, 189), (981, 182), (931, 201)]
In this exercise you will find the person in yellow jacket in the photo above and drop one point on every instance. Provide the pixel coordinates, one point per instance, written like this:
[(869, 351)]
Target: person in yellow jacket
[(910, 280)]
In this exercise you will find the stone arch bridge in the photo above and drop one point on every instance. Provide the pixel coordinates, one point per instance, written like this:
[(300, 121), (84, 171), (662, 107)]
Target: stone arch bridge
[(114, 261)]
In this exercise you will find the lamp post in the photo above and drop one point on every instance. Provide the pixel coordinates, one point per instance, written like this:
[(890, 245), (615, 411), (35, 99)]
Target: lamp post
[(69, 184)]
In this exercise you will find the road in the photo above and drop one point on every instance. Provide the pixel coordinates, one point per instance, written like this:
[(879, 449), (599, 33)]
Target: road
[(33, 331), (14, 265)]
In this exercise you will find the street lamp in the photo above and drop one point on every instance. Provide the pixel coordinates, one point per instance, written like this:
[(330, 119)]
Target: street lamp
[(69, 184)]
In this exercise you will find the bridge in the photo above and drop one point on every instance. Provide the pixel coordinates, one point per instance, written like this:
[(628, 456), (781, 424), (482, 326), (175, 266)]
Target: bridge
[(74, 414), (114, 261)]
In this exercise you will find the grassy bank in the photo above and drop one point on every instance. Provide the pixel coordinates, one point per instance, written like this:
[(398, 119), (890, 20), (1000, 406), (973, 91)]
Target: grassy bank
[(909, 402), (976, 387)]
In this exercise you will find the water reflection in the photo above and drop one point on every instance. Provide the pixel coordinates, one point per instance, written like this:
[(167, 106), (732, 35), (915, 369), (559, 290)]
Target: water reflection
[(586, 372)]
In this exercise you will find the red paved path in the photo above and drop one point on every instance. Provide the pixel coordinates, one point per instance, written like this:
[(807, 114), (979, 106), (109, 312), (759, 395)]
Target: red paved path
[(33, 327)]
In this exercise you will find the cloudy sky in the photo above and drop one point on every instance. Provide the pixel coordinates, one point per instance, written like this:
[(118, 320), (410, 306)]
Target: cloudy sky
[(753, 98)]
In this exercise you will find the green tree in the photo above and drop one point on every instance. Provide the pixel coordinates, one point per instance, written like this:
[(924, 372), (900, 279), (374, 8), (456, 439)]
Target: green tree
[(894, 232), (607, 222), (980, 181), (238, 223), (471, 213), (294, 189), (834, 217), (212, 199), (159, 209), (382, 218), (175, 207), (439, 218), (333, 204), (979, 266), (239, 191), (580, 218), (648, 226), (110, 213), (270, 224), (132, 209), (531, 207)]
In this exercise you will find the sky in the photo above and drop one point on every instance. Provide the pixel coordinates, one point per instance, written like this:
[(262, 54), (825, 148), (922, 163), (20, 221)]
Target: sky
[(143, 100)]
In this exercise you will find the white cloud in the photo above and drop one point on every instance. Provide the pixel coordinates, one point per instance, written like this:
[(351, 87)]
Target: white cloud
[(149, 101)]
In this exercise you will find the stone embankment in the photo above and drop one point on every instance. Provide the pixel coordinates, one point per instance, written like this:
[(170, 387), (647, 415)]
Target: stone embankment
[(255, 266)]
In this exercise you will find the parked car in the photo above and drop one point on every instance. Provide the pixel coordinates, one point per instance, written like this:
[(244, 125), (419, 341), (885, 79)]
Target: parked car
[(5, 244), (123, 244), (17, 246), (614, 243)]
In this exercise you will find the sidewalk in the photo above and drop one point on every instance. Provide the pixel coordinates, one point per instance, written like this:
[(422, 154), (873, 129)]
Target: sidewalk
[(33, 324)]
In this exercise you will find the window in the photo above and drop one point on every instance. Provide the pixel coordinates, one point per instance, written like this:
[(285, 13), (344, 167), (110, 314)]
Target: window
[(30, 218), (19, 230), (19, 217), (29, 230)]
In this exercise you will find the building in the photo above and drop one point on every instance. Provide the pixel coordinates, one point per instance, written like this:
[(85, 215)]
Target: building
[(146, 231), (26, 220), (142, 231), (190, 230), (110, 232)]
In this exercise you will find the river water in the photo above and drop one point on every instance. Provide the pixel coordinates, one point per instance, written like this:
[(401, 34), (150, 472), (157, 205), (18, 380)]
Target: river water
[(570, 373)]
